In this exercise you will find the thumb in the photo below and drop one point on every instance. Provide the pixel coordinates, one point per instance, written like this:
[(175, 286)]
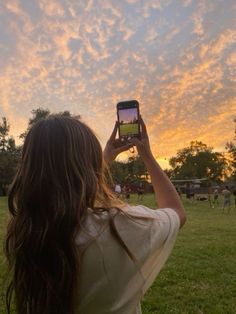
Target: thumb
[(124, 148), (135, 141)]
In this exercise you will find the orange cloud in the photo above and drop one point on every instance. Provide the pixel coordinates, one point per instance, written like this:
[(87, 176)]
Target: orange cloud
[(76, 56), (51, 8)]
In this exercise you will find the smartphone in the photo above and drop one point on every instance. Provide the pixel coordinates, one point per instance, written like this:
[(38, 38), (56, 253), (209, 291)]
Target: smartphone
[(128, 119)]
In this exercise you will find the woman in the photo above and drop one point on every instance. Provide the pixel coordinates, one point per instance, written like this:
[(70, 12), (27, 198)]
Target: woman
[(71, 247)]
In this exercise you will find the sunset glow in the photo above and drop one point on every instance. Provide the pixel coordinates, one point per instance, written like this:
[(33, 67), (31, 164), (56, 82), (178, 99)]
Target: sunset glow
[(177, 58)]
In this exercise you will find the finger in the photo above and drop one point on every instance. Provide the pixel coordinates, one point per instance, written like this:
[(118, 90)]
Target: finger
[(135, 141), (117, 143), (143, 125), (124, 148), (113, 134)]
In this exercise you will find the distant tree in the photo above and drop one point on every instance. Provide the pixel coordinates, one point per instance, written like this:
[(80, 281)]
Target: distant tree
[(9, 156), (4, 130), (119, 172), (231, 150), (41, 113), (169, 172), (136, 169), (231, 156), (132, 171), (38, 114), (198, 161)]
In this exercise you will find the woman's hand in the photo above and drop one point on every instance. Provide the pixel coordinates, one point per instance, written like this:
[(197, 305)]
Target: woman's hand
[(143, 145), (115, 146)]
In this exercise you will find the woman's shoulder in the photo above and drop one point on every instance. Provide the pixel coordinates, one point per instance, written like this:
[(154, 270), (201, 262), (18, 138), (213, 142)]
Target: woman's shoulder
[(141, 211)]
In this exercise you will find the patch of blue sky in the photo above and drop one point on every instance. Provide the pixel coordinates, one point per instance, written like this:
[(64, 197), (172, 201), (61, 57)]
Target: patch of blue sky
[(33, 9), (75, 44), (8, 42), (220, 18), (176, 14)]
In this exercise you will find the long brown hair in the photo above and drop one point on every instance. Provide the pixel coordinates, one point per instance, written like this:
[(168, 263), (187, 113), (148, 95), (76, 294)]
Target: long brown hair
[(60, 176)]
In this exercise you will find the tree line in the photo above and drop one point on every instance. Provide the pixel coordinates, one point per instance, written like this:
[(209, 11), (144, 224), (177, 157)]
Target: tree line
[(195, 161)]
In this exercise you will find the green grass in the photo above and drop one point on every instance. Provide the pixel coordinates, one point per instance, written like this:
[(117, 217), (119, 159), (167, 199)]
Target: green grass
[(127, 129), (200, 275)]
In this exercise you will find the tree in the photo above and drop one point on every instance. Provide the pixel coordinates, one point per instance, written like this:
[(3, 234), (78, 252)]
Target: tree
[(137, 169), (132, 171), (169, 172), (4, 130), (119, 172), (9, 156), (41, 113), (198, 161), (38, 114), (231, 150)]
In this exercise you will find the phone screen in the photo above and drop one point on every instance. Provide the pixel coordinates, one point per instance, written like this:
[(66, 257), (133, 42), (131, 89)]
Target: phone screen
[(128, 118)]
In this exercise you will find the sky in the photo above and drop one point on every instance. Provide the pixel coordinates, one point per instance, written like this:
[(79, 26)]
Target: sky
[(176, 57), (128, 115)]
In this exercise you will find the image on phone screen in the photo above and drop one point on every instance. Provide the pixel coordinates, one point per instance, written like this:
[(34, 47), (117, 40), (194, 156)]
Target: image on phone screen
[(128, 121)]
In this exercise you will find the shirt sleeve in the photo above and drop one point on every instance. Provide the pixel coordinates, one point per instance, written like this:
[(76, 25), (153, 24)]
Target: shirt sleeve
[(168, 221), (161, 234)]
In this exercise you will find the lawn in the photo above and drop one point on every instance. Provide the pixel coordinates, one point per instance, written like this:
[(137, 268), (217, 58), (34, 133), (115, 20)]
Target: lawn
[(128, 129), (200, 276)]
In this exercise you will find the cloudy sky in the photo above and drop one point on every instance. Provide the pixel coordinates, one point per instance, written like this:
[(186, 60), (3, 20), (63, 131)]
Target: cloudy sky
[(176, 57)]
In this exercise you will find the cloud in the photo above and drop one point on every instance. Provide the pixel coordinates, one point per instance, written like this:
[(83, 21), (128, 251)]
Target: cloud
[(151, 34), (231, 60), (225, 39), (149, 6), (5, 106), (173, 57), (51, 8), (186, 3), (132, 1), (198, 27), (171, 34), (14, 7)]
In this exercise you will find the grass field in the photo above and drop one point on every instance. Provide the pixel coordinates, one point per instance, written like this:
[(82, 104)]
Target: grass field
[(200, 276), (126, 129)]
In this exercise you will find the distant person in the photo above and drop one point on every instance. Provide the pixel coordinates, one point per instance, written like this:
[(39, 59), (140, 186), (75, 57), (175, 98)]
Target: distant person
[(226, 199), (215, 197), (209, 194), (187, 191), (71, 245), (234, 193), (178, 190), (140, 191), (118, 190), (126, 191), (190, 193)]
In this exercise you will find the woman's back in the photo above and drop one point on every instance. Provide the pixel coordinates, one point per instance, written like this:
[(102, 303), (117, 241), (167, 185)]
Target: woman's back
[(111, 282)]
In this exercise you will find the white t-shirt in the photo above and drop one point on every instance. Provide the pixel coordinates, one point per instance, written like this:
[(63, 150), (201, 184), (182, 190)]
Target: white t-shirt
[(118, 188), (110, 282)]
